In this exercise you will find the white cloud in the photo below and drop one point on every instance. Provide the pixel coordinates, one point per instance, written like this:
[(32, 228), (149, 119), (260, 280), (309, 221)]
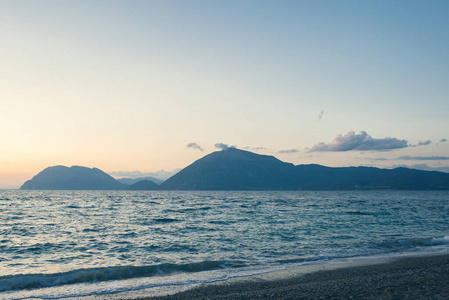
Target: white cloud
[(223, 146), (161, 174), (289, 151), (255, 148), (359, 142), (194, 146)]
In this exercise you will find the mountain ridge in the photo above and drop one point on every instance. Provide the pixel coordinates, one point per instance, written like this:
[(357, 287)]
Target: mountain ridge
[(131, 181), (72, 178), (144, 185), (235, 169)]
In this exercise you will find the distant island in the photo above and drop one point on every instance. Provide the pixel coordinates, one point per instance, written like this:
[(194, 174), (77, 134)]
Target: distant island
[(82, 178), (235, 169), (131, 181)]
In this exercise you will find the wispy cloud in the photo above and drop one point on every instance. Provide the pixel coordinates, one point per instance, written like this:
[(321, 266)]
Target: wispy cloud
[(289, 151), (194, 146), (223, 146), (422, 143), (428, 142), (255, 148), (380, 159), (130, 174), (359, 142), (320, 115), (424, 157), (162, 174)]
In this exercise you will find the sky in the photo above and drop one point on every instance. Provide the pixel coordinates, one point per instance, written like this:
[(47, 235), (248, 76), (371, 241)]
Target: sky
[(140, 86)]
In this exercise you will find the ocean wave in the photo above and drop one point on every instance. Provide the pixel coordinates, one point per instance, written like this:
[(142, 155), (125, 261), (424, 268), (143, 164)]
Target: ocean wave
[(111, 237), (165, 220), (440, 241), (21, 282), (405, 244), (93, 275)]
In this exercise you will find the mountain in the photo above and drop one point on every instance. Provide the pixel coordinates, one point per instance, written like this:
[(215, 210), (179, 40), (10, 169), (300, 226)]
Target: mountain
[(130, 181), (234, 169), (315, 177), (160, 175), (144, 185), (73, 178)]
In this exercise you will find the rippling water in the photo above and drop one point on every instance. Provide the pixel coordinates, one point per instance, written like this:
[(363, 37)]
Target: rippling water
[(75, 243)]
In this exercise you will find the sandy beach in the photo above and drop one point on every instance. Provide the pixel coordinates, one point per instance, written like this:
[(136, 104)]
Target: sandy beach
[(421, 277)]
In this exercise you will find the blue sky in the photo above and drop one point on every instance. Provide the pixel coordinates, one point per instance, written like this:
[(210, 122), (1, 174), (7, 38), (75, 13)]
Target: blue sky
[(128, 85)]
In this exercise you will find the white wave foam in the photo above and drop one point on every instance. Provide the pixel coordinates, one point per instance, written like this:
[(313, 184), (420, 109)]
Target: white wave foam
[(440, 241), (153, 284), (114, 286)]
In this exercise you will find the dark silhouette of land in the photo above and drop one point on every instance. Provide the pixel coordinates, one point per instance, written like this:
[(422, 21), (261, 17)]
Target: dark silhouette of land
[(144, 185), (130, 181), (234, 169), (73, 178)]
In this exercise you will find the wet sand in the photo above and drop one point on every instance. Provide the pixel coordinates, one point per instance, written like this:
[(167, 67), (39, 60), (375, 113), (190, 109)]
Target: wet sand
[(406, 278)]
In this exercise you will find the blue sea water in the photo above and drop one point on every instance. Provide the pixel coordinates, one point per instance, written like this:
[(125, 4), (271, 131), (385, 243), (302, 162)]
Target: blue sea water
[(62, 244)]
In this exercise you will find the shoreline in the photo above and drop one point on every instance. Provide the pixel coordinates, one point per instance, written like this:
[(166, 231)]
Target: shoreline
[(408, 277)]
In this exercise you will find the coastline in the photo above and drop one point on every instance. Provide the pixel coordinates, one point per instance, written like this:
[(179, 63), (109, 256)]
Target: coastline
[(413, 277)]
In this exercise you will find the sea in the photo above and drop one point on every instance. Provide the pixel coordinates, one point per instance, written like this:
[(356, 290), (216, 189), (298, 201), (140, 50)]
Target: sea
[(103, 244)]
